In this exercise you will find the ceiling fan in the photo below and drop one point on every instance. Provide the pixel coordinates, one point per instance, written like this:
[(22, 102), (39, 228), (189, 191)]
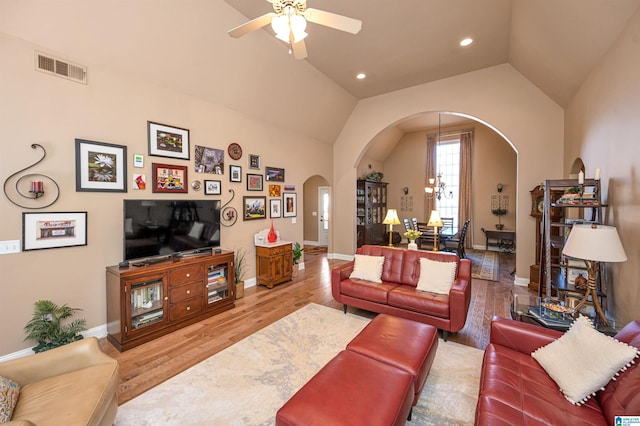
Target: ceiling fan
[(289, 21)]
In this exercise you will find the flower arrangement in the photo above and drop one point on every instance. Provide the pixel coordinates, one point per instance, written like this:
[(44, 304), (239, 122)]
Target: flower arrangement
[(412, 235)]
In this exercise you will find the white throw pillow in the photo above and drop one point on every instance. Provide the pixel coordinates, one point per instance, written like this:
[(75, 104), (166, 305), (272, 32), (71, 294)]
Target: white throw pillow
[(583, 360), (368, 268), (436, 277), (196, 230)]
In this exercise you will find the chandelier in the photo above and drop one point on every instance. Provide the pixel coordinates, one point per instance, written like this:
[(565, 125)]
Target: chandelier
[(437, 186)]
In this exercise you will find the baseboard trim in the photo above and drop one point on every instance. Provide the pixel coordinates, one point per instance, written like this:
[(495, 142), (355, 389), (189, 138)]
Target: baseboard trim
[(99, 332)]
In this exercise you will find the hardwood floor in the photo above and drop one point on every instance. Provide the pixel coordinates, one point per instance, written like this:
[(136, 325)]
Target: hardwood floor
[(152, 363)]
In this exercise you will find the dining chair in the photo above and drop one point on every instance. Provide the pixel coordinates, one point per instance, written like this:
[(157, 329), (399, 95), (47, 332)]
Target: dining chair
[(456, 244), (407, 224)]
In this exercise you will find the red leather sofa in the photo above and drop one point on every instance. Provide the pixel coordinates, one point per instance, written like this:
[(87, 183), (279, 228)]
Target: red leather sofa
[(397, 294), (515, 389)]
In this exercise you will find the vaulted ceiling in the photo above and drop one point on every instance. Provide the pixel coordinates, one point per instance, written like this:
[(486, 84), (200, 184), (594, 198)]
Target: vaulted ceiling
[(554, 43), (183, 45)]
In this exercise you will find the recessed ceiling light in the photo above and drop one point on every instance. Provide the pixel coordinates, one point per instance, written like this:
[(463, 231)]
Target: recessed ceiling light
[(361, 76), (466, 42)]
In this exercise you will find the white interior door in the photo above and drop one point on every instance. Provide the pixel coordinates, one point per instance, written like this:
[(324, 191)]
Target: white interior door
[(323, 216)]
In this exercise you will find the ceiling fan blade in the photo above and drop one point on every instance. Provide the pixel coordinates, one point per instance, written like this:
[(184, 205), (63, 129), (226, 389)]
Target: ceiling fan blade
[(299, 50), (333, 20), (252, 25)]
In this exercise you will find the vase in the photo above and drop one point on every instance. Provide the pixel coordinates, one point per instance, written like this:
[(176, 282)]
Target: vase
[(272, 237), (412, 245)]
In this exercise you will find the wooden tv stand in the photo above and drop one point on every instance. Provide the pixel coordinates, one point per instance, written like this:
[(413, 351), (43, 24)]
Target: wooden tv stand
[(149, 301)]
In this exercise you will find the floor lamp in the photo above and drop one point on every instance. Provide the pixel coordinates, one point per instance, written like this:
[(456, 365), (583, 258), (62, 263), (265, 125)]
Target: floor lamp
[(436, 221), (594, 244), (391, 219)]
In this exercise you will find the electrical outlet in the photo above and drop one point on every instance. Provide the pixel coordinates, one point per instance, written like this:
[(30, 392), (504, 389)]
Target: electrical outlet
[(9, 246)]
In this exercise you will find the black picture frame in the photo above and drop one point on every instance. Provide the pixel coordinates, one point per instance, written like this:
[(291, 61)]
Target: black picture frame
[(274, 174), (47, 230), (212, 187), (275, 208), (255, 182), (168, 141), (100, 167), (235, 174), (290, 203)]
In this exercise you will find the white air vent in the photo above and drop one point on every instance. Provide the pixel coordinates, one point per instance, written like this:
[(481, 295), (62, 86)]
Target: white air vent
[(61, 68)]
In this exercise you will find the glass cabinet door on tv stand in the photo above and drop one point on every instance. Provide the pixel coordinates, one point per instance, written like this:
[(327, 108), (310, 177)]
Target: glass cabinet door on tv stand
[(147, 303), (218, 281)]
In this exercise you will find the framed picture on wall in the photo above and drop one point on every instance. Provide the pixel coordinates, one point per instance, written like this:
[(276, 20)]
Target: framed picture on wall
[(290, 204), (100, 166), (235, 173), (275, 208), (273, 174), (169, 178), (53, 230), (212, 187), (168, 141), (254, 182), (254, 208)]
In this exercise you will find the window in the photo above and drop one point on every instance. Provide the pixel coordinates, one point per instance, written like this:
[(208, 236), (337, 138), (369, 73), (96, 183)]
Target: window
[(448, 165)]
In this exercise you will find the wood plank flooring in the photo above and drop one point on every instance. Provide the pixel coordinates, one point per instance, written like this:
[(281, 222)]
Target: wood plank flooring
[(152, 363)]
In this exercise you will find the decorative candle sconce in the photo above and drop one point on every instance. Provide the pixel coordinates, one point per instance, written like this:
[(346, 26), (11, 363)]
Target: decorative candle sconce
[(37, 188)]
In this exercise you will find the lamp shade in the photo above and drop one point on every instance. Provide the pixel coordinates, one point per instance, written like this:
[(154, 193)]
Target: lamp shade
[(434, 219), (391, 218), (599, 243)]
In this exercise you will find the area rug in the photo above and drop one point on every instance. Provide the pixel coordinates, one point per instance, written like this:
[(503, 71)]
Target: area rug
[(485, 264), (248, 382)]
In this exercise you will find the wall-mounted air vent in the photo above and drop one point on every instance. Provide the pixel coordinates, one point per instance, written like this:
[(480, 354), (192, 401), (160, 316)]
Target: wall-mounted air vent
[(61, 68)]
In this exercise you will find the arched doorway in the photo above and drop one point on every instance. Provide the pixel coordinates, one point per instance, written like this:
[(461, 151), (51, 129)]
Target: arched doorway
[(316, 210), (399, 152)]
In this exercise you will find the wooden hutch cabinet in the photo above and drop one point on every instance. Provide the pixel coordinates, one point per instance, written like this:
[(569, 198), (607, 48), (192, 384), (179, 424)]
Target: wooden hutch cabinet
[(149, 301), (371, 209), (274, 263)]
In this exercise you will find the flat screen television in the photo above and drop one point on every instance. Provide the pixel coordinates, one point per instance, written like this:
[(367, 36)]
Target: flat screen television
[(154, 228)]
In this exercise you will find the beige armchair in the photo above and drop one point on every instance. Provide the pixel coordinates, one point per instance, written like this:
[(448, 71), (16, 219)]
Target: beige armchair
[(75, 384)]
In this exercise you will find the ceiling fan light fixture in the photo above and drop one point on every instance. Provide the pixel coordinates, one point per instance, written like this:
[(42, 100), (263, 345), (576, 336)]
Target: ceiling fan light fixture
[(287, 26)]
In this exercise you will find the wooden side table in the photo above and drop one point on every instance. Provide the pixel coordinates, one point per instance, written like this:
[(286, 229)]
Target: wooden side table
[(274, 263)]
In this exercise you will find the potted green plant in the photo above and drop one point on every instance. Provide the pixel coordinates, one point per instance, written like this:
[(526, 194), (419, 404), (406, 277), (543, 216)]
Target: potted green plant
[(239, 265), (48, 327), (499, 212), (296, 250)]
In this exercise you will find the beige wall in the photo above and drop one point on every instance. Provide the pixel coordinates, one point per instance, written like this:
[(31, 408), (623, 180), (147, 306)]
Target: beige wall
[(498, 96), (493, 161), (602, 128), (114, 108)]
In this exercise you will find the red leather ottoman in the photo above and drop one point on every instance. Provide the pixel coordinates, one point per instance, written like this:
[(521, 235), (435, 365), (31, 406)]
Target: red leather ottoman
[(403, 343), (353, 390)]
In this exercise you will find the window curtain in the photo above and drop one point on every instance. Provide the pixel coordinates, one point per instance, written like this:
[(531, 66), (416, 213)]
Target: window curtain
[(464, 205), (432, 156)]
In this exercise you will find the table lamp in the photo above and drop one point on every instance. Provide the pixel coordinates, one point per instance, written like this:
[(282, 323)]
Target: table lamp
[(594, 243), (436, 221), (391, 219)]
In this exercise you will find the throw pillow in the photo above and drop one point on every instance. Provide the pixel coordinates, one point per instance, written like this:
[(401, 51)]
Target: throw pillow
[(436, 277), (196, 230), (9, 391), (368, 268), (583, 360)]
